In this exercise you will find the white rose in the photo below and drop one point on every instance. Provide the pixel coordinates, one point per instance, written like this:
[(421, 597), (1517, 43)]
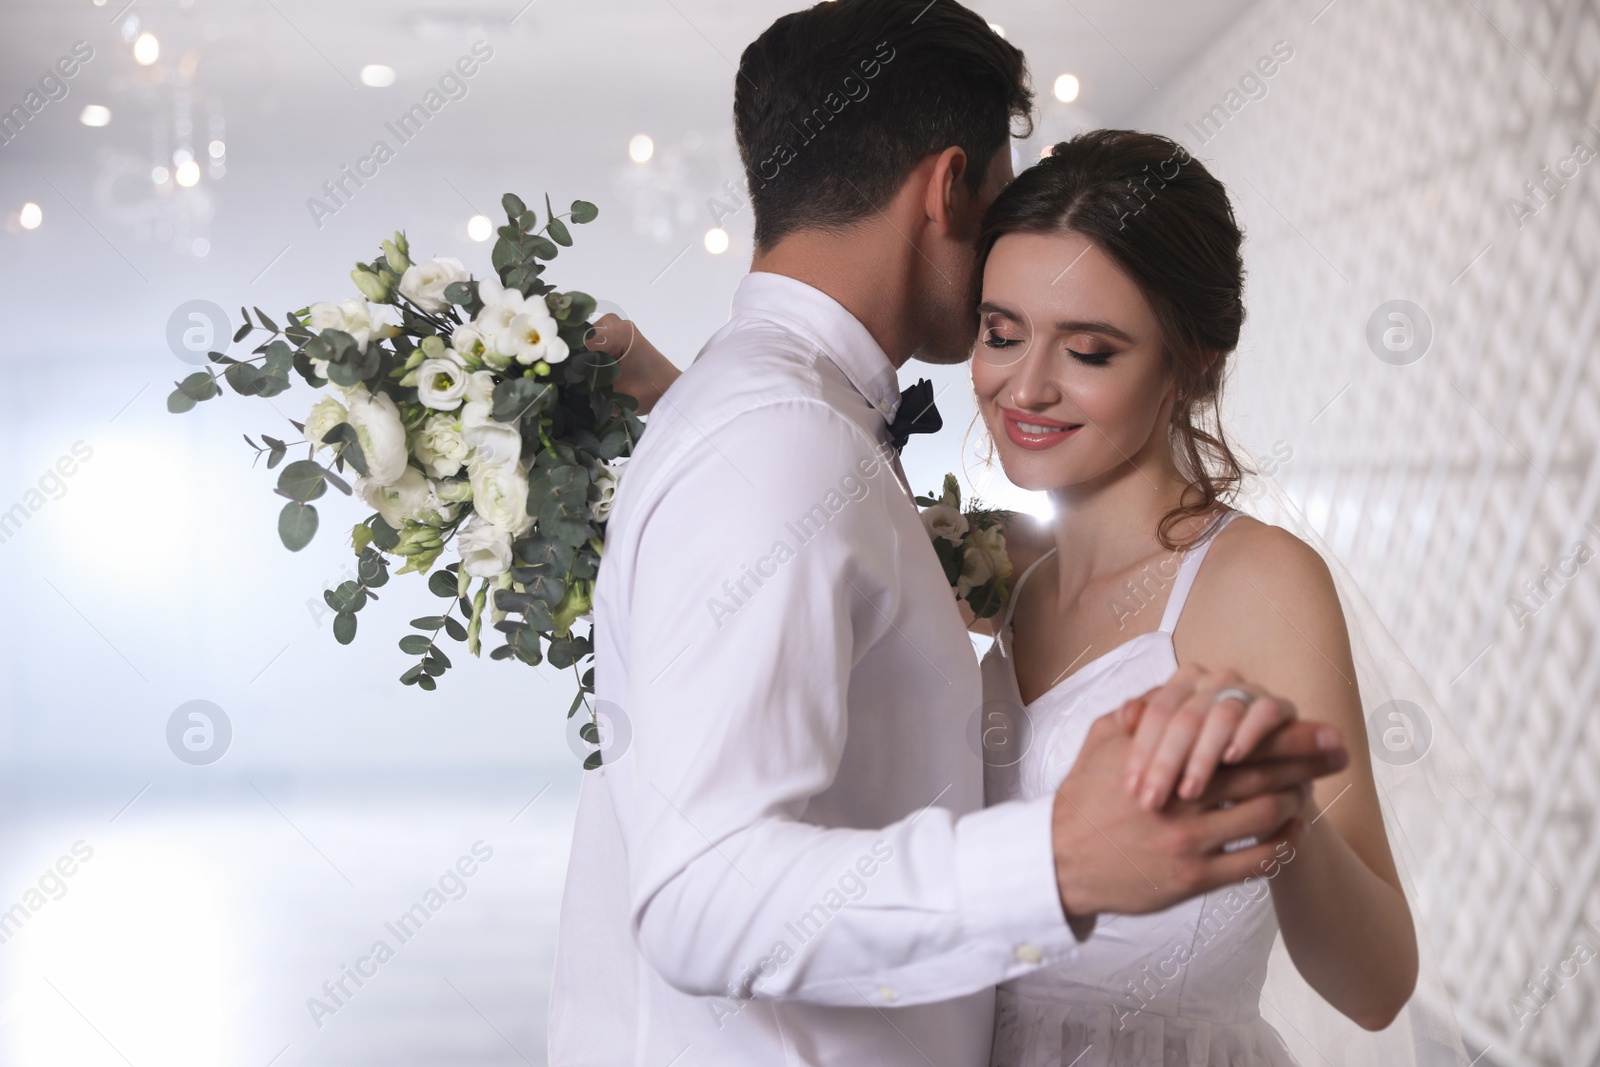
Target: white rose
[(470, 344), (500, 496), (441, 383), (382, 435), (424, 283), (985, 560), (532, 336), (354, 317), (485, 549), (493, 443), (410, 496), (439, 447), (945, 522), (325, 415), (606, 479)]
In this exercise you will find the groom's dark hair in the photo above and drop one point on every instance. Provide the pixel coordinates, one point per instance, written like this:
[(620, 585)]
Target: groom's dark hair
[(836, 105)]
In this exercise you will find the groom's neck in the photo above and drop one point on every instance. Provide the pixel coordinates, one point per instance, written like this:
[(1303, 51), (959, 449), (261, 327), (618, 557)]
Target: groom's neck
[(869, 269)]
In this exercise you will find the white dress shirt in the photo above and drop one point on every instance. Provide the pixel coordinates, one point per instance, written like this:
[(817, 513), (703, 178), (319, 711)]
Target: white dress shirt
[(789, 863)]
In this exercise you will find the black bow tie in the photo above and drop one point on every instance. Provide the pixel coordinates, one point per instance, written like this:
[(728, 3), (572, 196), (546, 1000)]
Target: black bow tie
[(916, 414)]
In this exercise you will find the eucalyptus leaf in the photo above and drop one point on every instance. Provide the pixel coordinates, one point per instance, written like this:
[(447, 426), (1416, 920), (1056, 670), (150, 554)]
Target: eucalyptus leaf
[(415, 644), (297, 524), (583, 211), (303, 480), (242, 377), (344, 627), (201, 385), (384, 536)]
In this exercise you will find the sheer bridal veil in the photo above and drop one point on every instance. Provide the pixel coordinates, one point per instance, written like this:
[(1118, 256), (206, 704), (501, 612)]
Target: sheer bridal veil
[(1426, 780)]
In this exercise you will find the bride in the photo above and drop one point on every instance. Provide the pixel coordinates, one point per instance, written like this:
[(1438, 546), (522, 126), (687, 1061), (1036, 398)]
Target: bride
[(1112, 286), (1112, 299)]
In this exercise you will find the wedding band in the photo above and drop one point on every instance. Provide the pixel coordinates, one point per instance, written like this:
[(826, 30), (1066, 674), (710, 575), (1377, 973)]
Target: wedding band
[(1234, 693)]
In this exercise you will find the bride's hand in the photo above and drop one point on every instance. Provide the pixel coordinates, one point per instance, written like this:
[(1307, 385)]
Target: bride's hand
[(645, 372), (1182, 728)]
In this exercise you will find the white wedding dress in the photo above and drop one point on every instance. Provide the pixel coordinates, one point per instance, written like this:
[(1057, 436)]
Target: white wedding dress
[(1180, 987)]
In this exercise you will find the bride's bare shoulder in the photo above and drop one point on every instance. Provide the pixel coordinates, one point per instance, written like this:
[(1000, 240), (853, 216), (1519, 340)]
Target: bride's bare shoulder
[(1252, 561)]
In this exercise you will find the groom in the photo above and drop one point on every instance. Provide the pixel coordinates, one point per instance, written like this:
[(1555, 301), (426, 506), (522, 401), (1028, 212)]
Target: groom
[(789, 861)]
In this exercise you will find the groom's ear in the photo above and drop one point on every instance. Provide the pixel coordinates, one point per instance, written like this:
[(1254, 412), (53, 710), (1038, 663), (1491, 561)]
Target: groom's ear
[(947, 199)]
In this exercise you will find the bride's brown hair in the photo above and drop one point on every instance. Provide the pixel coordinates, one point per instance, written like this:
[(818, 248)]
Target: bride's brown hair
[(1144, 201)]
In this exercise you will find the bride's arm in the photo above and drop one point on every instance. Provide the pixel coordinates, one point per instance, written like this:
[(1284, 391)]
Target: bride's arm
[(1266, 606)]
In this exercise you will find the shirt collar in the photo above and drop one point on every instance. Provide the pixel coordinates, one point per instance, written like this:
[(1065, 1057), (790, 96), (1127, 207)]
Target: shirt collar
[(818, 318)]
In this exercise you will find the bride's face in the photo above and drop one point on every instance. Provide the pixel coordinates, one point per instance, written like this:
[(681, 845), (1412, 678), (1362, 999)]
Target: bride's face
[(1068, 365)]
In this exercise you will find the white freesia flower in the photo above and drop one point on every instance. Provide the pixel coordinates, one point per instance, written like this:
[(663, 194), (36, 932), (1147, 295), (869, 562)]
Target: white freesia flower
[(441, 383), (500, 306), (500, 495), (410, 496), (946, 522), (606, 479), (518, 326), (532, 336), (485, 548), (381, 433), (493, 443), (439, 447), (424, 283), (325, 415)]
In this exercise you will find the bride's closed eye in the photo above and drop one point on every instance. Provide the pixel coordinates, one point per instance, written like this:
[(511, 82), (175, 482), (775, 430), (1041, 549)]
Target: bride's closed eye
[(995, 339), (1093, 359)]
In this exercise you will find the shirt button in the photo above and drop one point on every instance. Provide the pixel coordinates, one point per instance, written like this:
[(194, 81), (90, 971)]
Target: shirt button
[(887, 993), (1029, 953)]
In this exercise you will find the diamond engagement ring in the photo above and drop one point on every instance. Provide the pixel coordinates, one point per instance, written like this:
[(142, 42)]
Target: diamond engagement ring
[(1234, 693)]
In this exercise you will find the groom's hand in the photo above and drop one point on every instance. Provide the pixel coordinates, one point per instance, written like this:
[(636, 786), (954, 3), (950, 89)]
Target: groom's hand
[(1112, 854), (643, 372)]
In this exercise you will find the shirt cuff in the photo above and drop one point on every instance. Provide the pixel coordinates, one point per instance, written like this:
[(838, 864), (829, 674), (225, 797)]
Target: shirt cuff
[(1005, 864)]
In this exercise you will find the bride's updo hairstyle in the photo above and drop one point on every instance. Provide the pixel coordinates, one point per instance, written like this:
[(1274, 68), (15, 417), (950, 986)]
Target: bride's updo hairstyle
[(1155, 210)]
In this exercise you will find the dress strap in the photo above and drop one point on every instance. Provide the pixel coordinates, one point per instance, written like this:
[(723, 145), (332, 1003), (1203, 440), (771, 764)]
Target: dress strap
[(1016, 590), (1193, 556)]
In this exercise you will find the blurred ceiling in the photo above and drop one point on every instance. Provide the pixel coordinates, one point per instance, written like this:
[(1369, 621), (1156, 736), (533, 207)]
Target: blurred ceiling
[(277, 84)]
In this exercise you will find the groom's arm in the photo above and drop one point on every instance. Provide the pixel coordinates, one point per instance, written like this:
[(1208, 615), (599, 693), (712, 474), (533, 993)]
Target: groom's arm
[(737, 699)]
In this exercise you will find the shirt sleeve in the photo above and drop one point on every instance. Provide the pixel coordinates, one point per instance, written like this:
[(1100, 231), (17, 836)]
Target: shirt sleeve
[(747, 614)]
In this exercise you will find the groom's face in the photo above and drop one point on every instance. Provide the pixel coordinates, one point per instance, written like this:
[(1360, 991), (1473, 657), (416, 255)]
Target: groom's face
[(950, 328)]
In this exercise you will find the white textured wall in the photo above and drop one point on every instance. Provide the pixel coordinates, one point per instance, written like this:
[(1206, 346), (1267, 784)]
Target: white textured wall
[(1383, 163)]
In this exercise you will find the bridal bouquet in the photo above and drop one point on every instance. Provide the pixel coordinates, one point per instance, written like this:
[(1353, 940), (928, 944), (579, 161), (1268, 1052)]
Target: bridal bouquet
[(472, 418), (971, 545)]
